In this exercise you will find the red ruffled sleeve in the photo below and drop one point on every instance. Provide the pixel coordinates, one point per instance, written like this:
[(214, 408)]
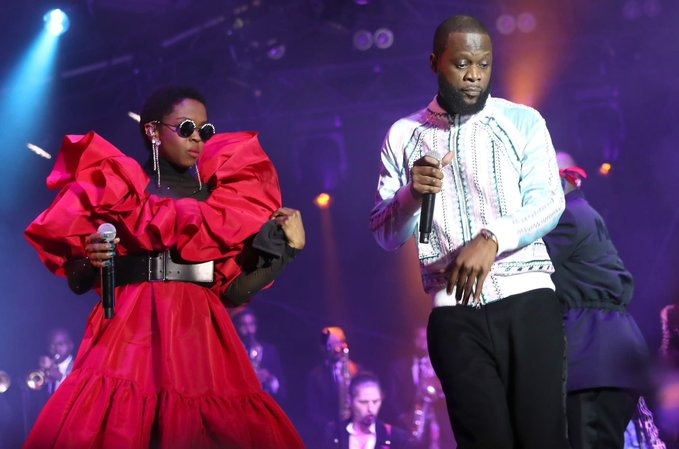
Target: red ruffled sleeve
[(100, 184), (246, 192)]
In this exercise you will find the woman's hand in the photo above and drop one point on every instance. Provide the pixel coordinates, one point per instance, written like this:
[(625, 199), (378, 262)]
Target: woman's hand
[(98, 250), (290, 220)]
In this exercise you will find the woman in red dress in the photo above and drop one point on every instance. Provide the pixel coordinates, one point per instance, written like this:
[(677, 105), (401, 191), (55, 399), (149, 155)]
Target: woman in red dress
[(202, 226)]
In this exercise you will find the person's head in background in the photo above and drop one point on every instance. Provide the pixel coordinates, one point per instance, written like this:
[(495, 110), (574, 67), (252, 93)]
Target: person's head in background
[(334, 343), (571, 174), (59, 344), (174, 125), (419, 341), (365, 395), (245, 322)]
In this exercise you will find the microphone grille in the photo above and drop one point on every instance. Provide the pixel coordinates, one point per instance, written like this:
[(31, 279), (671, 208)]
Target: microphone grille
[(107, 230)]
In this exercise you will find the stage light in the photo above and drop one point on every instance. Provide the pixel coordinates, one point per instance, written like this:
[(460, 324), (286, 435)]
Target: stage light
[(383, 38), (363, 40), (27, 91), (505, 24), (134, 116), (39, 151), (276, 52), (56, 22), (605, 169), (526, 22), (323, 200)]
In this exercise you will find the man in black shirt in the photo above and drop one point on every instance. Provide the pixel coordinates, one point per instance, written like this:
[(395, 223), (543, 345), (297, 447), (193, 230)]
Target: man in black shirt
[(607, 353)]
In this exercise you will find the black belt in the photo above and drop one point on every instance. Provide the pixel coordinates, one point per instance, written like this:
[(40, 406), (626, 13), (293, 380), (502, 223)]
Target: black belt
[(165, 266)]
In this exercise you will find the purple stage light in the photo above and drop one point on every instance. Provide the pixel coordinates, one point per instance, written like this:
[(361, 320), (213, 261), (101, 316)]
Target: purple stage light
[(363, 40)]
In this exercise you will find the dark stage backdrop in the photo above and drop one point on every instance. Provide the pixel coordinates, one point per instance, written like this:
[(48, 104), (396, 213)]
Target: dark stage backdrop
[(601, 72)]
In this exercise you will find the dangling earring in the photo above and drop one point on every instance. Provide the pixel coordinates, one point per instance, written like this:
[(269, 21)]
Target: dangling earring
[(155, 144), (200, 183)]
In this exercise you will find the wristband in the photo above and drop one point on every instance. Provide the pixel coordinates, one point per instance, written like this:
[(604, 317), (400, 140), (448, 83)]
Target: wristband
[(488, 235)]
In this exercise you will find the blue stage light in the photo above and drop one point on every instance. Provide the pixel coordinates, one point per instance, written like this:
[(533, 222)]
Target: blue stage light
[(56, 22)]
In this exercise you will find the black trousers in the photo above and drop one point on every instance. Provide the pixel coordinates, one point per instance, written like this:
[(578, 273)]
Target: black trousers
[(502, 371), (597, 418)]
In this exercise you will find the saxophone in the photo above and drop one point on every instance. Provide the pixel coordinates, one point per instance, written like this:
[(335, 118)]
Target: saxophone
[(255, 355), (427, 391), (343, 387)]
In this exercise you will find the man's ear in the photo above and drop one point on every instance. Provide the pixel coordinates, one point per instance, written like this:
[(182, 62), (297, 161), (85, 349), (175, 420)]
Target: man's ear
[(433, 62)]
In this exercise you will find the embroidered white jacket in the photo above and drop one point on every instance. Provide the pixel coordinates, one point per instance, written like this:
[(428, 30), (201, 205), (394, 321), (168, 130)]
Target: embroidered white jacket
[(503, 177)]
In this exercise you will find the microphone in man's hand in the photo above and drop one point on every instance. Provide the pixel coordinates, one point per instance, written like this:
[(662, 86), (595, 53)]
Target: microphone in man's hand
[(108, 293), (426, 216)]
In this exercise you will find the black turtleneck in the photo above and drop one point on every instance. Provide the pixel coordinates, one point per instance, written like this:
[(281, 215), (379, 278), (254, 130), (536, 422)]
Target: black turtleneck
[(175, 182)]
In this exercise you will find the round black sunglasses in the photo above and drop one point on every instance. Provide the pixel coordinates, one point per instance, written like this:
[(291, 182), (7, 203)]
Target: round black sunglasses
[(186, 128)]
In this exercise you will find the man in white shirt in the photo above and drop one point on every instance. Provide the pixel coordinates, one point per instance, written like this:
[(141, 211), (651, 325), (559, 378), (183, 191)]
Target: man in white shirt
[(495, 333), (56, 366), (61, 358)]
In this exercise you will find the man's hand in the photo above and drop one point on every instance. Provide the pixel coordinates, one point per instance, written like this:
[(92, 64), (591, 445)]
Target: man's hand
[(427, 175), (470, 268), (264, 376), (53, 373), (290, 221)]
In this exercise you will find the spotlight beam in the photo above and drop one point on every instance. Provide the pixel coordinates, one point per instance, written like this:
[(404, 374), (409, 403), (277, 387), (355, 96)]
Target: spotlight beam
[(24, 103)]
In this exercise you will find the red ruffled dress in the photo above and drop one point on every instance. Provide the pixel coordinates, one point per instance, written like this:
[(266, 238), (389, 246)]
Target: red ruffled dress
[(169, 370)]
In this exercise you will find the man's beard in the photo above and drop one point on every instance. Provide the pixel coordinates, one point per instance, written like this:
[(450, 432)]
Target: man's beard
[(452, 101), (367, 421)]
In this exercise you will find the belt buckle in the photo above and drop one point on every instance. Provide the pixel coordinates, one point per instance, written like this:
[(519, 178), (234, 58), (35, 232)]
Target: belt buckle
[(165, 255), (161, 267), (156, 267)]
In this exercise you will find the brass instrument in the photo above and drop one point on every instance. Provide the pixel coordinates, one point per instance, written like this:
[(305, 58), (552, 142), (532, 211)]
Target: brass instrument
[(36, 380), (343, 387), (5, 381), (428, 390), (647, 432), (255, 355)]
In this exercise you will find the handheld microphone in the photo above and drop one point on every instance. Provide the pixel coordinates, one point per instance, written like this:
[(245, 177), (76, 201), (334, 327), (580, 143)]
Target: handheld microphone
[(108, 295), (426, 216)]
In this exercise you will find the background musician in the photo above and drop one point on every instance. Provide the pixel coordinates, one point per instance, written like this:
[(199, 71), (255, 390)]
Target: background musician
[(364, 428), (415, 400), (264, 356), (51, 371), (327, 384), (59, 364)]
